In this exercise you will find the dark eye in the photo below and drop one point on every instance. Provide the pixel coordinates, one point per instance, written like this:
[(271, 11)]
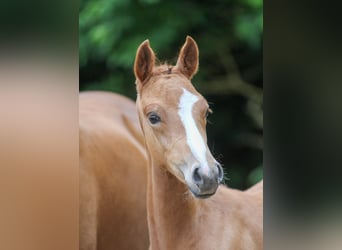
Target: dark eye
[(153, 118)]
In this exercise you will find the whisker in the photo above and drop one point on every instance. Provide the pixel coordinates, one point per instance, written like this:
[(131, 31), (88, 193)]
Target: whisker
[(225, 178)]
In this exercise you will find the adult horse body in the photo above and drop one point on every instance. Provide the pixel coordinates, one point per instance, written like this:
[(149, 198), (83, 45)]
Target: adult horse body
[(187, 208), (112, 174)]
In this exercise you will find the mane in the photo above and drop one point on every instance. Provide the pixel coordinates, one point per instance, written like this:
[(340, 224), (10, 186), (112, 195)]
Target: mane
[(164, 69)]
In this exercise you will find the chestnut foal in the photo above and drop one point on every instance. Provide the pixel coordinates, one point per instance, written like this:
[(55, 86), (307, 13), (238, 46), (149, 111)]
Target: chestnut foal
[(113, 174), (172, 115)]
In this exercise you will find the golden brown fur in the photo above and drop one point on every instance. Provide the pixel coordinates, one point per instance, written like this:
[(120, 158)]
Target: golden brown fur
[(112, 174), (229, 219)]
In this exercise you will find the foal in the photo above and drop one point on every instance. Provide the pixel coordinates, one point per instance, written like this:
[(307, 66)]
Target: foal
[(172, 115), (112, 174)]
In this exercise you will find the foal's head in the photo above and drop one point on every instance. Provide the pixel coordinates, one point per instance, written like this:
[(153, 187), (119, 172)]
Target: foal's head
[(173, 118)]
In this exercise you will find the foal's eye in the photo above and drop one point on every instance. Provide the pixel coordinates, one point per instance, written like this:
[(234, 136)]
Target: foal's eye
[(153, 118)]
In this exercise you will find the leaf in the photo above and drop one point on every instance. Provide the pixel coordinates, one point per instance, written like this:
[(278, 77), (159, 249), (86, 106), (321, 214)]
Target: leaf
[(255, 176)]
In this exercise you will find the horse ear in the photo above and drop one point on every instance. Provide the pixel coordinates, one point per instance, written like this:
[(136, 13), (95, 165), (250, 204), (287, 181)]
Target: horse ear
[(144, 62), (187, 61)]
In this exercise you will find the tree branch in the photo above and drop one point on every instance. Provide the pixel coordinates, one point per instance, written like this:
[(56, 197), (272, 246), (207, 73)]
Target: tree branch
[(232, 83)]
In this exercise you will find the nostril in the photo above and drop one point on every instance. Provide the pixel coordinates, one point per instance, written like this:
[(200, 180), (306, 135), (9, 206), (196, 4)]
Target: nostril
[(196, 176), (220, 173)]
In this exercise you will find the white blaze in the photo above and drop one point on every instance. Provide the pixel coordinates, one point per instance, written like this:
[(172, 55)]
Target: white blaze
[(193, 136)]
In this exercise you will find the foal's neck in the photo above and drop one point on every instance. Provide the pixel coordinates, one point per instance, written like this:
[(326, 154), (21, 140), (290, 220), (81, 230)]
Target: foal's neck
[(171, 209)]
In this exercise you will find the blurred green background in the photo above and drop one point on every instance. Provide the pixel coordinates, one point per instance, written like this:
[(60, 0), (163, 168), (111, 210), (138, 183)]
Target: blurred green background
[(229, 36)]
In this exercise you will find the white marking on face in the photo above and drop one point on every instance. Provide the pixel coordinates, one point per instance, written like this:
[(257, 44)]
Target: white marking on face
[(193, 136)]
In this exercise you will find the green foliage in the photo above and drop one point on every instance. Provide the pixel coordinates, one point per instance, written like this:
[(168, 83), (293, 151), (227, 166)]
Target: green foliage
[(248, 28), (255, 175), (228, 33), (111, 30)]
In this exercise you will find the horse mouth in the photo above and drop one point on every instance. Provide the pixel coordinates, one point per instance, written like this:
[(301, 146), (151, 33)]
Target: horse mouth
[(204, 196), (197, 194)]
